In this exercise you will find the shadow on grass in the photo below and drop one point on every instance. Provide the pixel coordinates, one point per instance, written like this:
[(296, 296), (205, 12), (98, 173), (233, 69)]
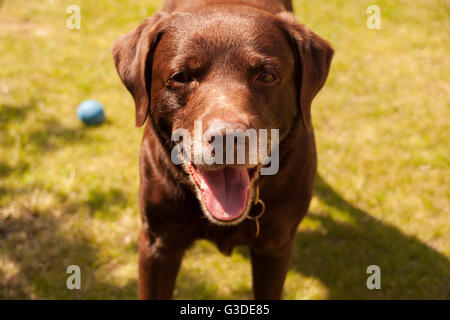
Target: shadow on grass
[(340, 256), (37, 246), (10, 113), (41, 247), (101, 203), (6, 169), (53, 135)]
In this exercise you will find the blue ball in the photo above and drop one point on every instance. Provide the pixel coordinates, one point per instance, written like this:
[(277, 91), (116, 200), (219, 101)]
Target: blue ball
[(91, 112)]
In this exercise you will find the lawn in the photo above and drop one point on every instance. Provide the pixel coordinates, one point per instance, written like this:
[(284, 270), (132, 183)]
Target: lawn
[(68, 193)]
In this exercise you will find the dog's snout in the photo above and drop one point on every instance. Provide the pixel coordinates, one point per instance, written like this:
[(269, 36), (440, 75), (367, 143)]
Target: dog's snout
[(223, 128), (232, 142)]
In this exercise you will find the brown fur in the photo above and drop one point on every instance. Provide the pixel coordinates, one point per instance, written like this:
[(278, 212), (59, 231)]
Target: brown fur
[(222, 43)]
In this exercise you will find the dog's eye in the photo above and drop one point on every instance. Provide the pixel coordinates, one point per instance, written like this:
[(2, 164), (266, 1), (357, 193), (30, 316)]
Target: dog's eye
[(182, 77), (267, 77)]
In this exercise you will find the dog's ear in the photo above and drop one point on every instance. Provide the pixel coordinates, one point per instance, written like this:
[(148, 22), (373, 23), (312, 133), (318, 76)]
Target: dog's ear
[(312, 62), (133, 56)]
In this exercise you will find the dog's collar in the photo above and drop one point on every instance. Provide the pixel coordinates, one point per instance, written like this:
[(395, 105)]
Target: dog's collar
[(262, 209)]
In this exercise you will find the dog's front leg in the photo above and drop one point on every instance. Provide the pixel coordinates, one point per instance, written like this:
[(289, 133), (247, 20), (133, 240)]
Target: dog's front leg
[(158, 267), (269, 268)]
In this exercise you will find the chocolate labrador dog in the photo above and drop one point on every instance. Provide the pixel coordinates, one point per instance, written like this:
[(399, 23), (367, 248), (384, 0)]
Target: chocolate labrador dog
[(208, 68)]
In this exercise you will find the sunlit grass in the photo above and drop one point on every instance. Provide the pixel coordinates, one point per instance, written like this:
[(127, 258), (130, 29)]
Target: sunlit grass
[(68, 194)]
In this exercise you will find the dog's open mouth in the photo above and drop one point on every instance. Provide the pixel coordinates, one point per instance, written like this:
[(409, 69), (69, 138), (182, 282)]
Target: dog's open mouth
[(225, 192)]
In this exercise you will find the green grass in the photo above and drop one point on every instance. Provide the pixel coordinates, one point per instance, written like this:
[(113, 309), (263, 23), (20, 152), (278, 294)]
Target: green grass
[(68, 193)]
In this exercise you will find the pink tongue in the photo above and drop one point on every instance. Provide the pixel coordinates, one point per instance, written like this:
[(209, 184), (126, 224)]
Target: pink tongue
[(224, 192)]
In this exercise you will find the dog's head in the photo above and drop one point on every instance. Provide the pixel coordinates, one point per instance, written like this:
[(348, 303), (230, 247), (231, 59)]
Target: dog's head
[(219, 69)]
